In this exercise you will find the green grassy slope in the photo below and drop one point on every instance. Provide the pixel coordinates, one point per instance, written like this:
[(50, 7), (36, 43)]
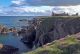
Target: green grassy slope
[(67, 45)]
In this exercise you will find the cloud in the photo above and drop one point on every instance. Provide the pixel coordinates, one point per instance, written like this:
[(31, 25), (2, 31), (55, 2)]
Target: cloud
[(32, 2), (2, 11), (18, 3), (42, 7), (67, 9), (45, 2), (39, 10), (27, 10)]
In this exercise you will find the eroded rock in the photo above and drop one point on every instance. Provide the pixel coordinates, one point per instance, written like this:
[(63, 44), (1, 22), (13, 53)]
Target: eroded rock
[(60, 27), (6, 49)]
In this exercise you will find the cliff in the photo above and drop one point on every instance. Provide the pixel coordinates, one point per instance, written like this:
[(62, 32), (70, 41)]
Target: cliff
[(53, 28), (48, 29)]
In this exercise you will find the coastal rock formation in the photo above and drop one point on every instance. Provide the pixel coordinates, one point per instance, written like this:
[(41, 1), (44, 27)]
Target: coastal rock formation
[(6, 49), (54, 28), (22, 32), (29, 37), (50, 29)]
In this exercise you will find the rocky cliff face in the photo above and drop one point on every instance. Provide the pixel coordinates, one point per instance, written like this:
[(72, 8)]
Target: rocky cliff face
[(53, 28), (49, 29)]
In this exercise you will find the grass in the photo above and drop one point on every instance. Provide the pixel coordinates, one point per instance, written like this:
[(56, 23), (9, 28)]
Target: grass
[(67, 45)]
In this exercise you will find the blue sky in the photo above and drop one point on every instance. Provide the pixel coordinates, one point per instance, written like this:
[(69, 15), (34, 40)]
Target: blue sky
[(5, 2), (38, 7)]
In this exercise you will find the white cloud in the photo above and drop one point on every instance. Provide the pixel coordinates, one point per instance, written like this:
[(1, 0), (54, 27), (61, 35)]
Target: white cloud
[(42, 9), (28, 10), (67, 9), (2, 11), (18, 2), (39, 10)]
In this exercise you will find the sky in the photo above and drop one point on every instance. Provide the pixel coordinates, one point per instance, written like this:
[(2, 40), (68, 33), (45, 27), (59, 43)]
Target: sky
[(5, 2), (38, 7)]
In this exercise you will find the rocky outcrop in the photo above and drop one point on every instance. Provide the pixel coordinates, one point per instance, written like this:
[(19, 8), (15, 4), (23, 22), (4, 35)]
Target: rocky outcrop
[(53, 28), (48, 29), (29, 37), (6, 49)]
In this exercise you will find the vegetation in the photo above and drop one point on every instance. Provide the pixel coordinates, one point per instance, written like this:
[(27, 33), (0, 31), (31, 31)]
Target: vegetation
[(67, 45)]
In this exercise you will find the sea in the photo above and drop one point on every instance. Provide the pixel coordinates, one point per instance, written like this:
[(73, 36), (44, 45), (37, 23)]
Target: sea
[(14, 21)]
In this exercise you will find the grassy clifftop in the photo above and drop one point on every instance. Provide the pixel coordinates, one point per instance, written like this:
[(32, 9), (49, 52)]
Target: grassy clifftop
[(67, 45)]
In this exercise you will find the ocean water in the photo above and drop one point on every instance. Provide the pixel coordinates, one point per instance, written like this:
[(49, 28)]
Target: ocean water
[(13, 41), (13, 21)]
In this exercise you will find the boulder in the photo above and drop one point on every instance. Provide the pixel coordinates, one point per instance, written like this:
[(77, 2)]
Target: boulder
[(6, 49)]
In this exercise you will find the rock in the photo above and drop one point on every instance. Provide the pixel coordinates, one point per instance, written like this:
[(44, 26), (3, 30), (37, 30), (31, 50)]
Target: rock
[(55, 28), (23, 20), (22, 32), (4, 31), (50, 29), (6, 49), (29, 37), (13, 31)]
